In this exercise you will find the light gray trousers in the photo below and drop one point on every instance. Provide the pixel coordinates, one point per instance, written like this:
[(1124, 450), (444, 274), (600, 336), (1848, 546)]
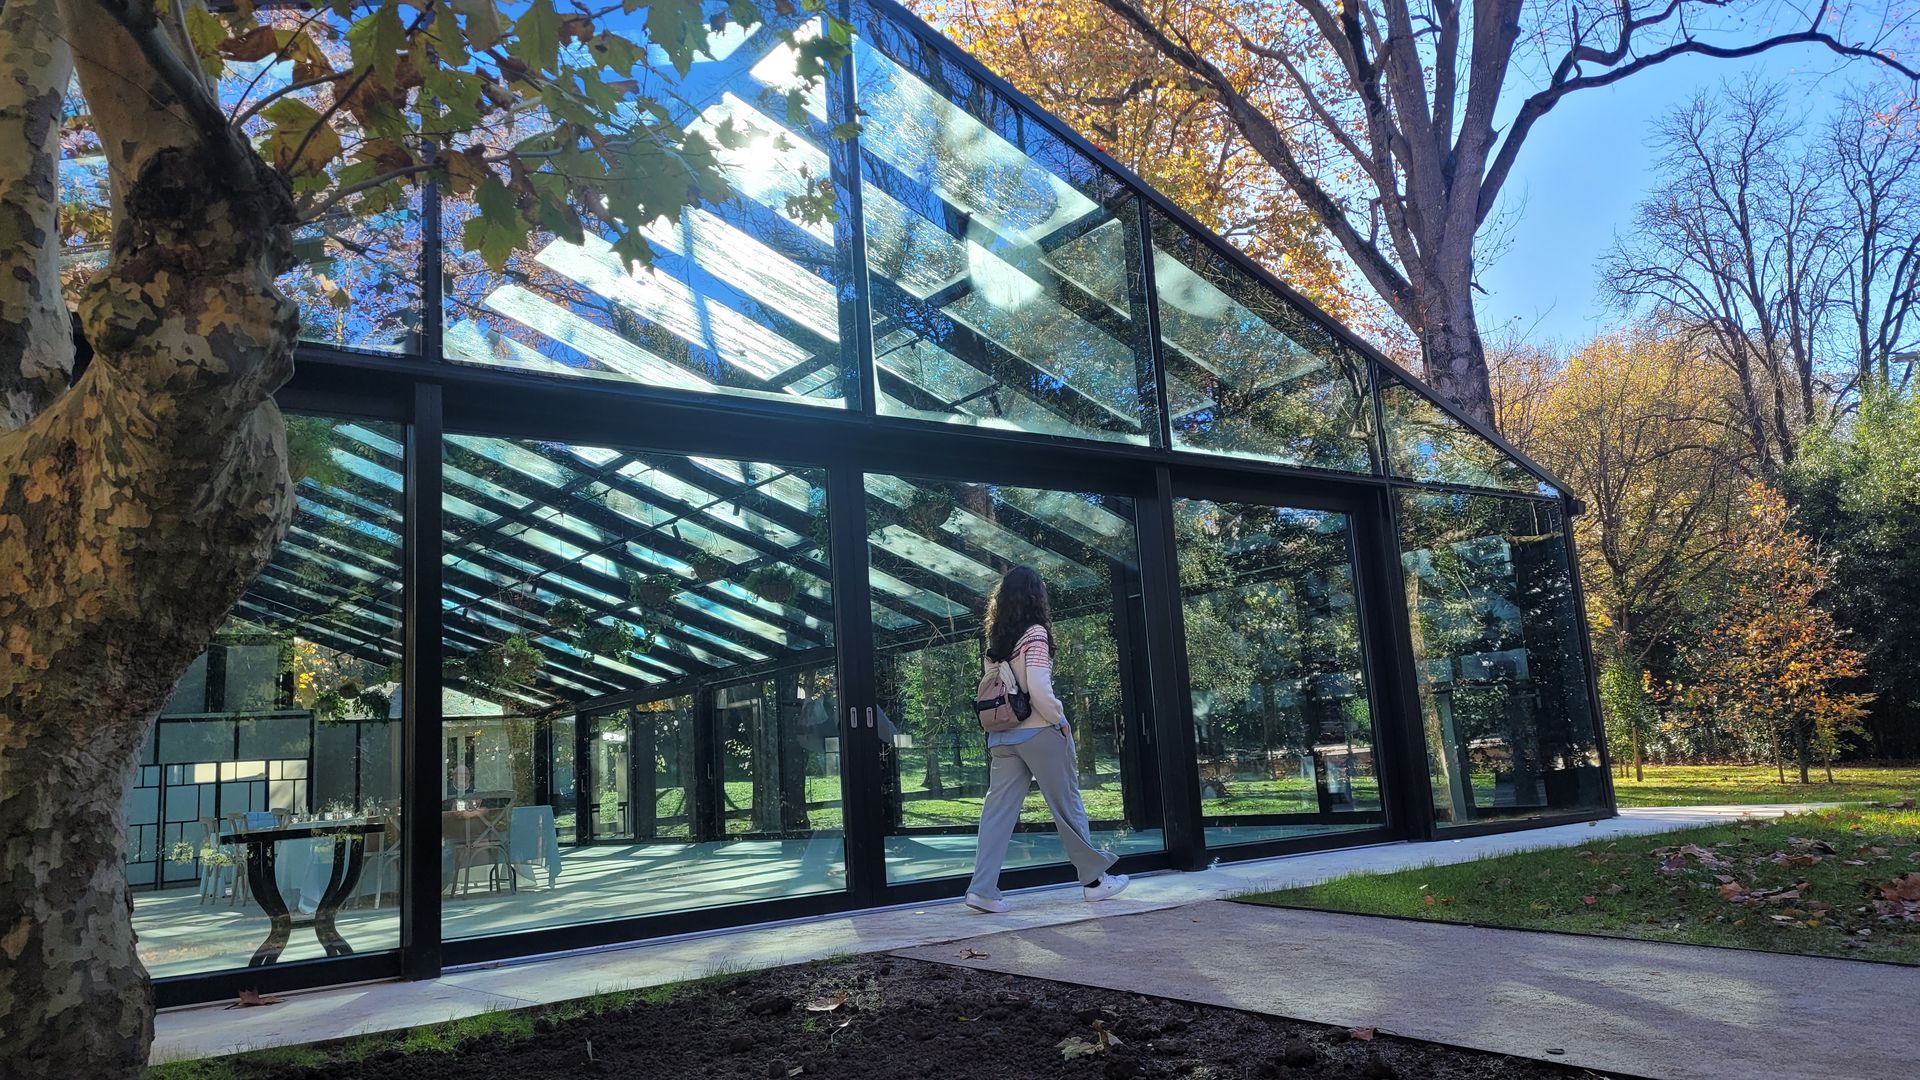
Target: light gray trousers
[(1049, 758)]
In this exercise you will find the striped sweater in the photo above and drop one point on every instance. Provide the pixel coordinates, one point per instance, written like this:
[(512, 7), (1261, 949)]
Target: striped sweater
[(1033, 668)]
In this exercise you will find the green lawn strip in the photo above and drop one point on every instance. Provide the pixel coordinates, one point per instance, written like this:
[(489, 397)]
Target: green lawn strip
[(427, 1040), (1746, 785), (1800, 884)]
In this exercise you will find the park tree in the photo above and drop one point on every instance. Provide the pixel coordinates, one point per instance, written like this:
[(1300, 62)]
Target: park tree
[(1398, 123), (1774, 666), (143, 465), (1788, 251), (1639, 423), (1855, 491)]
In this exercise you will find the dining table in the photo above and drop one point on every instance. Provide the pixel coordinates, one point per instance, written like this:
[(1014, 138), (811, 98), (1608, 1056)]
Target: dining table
[(349, 858)]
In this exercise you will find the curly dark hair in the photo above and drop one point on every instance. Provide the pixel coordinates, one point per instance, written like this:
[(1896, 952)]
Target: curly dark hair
[(1019, 601)]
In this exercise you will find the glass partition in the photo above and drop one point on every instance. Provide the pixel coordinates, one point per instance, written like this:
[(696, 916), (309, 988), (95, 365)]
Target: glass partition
[(1003, 267), (1249, 374), (1498, 654), (670, 615), (935, 550), (288, 726), (1283, 722), (743, 297)]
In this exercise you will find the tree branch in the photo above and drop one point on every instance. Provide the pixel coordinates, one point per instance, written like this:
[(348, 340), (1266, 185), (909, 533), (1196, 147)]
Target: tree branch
[(1543, 102)]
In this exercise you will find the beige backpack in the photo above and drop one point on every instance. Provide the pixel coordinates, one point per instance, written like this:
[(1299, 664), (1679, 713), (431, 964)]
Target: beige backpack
[(999, 701)]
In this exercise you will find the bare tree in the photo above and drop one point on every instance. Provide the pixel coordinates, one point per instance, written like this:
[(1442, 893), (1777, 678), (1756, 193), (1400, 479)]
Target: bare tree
[(1873, 142), (1789, 257), (1397, 129)]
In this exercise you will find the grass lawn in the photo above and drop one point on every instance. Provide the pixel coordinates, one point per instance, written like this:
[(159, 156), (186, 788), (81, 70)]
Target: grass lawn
[(1746, 785), (1810, 883)]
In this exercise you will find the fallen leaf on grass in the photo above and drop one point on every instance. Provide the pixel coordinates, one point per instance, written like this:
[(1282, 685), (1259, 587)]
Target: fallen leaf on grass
[(1904, 887), (828, 1004), (251, 999), (1363, 1034), (1615, 889), (1589, 900)]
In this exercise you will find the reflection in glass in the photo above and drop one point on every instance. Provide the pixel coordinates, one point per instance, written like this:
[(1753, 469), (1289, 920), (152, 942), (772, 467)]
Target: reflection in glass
[(742, 296), (935, 550), (1002, 266), (1496, 644), (1425, 443), (292, 718), (1282, 720), (639, 682), (1248, 374)]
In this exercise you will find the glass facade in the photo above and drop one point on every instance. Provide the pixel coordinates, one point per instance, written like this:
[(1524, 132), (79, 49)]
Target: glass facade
[(1504, 693), (934, 552), (638, 673), (1276, 671), (686, 567), (291, 723)]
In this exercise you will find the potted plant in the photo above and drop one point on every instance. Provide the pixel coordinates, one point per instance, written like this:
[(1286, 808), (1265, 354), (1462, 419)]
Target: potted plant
[(653, 591), (928, 509), (709, 567), (775, 584)]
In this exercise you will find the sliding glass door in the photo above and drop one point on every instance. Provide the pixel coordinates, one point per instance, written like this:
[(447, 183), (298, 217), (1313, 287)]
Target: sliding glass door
[(1282, 701)]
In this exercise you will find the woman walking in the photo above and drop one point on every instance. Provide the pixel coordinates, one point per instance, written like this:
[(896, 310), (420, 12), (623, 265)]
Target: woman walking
[(1019, 633)]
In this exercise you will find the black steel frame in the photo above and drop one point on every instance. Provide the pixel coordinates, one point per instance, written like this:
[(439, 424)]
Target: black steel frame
[(433, 397)]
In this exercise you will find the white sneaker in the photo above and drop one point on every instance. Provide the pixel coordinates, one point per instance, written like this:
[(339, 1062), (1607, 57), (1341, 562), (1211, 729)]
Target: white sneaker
[(993, 906), (1108, 887)]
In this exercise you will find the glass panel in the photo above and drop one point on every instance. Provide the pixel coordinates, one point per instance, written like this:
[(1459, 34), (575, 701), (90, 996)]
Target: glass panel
[(1249, 374), (610, 762), (1425, 443), (1281, 714), (697, 591), (744, 295), (295, 720), (1003, 266), (1496, 645), (935, 550)]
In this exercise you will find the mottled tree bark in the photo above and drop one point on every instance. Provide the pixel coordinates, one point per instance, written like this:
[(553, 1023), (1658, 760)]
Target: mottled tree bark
[(135, 509), (36, 349)]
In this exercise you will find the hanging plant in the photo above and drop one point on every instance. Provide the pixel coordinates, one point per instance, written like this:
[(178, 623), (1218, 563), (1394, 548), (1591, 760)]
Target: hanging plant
[(708, 567), (774, 584), (928, 509), (614, 640), (566, 616), (653, 591)]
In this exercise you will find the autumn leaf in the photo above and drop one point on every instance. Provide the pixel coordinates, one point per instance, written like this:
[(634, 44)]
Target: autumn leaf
[(251, 999), (1361, 1034), (827, 1004)]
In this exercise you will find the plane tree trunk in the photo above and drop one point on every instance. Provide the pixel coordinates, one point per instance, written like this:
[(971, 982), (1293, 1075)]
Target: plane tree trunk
[(135, 507)]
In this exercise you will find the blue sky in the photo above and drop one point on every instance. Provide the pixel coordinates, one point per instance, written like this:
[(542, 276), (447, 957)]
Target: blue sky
[(1580, 175)]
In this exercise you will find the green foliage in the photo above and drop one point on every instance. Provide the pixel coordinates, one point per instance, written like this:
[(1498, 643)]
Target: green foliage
[(539, 120), (1856, 490), (775, 584)]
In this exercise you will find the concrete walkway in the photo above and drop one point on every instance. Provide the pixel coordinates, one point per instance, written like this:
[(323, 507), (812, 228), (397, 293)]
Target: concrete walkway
[(206, 1030), (1677, 1012)]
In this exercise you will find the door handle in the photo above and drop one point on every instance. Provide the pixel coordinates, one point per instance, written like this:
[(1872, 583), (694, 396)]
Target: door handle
[(853, 717), (869, 716)]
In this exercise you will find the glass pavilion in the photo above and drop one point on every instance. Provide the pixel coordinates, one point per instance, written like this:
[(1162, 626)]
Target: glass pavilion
[(625, 604)]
